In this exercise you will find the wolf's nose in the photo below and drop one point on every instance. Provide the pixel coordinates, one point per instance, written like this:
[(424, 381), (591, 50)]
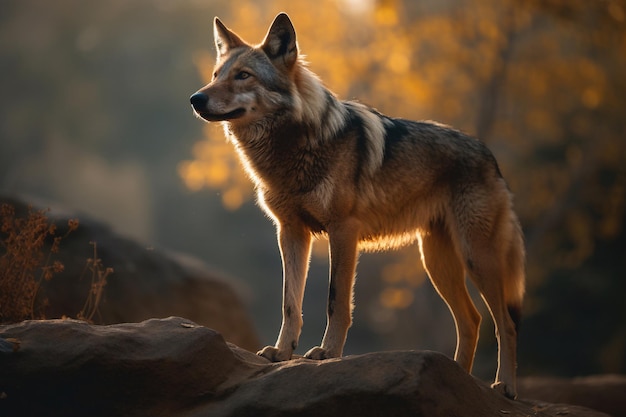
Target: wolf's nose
[(199, 101)]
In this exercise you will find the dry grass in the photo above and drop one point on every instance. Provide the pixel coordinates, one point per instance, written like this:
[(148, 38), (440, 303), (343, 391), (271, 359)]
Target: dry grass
[(25, 261), (99, 276)]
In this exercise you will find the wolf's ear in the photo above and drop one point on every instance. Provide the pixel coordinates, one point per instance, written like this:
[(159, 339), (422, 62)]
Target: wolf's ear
[(280, 42), (224, 38)]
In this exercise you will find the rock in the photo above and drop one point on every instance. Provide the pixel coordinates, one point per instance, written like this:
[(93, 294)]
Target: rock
[(173, 367), (606, 393), (146, 282), (74, 368)]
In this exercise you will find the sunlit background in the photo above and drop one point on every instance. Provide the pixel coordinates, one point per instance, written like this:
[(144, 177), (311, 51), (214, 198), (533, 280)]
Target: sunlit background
[(95, 115)]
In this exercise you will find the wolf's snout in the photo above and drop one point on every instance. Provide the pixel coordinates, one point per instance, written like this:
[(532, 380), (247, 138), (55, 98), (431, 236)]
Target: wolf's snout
[(199, 101)]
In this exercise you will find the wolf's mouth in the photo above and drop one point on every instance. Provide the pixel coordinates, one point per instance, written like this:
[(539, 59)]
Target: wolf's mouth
[(213, 117)]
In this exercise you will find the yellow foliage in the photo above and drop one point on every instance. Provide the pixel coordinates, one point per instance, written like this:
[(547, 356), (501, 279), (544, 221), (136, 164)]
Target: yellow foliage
[(406, 271), (394, 297), (216, 166)]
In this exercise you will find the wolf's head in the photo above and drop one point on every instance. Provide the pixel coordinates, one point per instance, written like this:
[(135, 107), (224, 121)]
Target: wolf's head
[(251, 82)]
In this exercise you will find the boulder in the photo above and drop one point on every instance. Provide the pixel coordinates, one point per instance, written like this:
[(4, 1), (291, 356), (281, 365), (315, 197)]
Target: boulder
[(174, 367), (606, 393), (147, 282)]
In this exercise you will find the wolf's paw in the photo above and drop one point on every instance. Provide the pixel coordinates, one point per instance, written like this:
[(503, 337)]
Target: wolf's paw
[(273, 354), (319, 354), (504, 389)]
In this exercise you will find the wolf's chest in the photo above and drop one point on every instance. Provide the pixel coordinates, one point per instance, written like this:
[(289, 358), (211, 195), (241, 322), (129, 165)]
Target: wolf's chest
[(288, 170)]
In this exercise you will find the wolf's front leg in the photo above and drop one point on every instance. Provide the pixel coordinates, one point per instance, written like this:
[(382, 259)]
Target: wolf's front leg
[(343, 257), (295, 249)]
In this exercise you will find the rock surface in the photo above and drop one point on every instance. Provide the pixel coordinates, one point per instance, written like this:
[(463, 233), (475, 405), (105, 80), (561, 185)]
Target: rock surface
[(146, 282), (173, 367)]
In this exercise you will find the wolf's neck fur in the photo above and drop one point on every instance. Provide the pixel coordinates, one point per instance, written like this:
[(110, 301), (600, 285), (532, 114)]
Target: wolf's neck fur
[(314, 118), (315, 105)]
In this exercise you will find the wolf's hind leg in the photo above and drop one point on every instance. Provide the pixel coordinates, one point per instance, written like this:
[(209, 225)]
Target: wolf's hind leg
[(488, 272), (448, 277), (488, 236)]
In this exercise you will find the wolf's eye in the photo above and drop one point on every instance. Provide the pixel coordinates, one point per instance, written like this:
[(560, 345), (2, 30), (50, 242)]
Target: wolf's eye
[(242, 75)]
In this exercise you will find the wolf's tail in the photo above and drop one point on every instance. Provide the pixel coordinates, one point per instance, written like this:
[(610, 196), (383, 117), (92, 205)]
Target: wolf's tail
[(515, 283)]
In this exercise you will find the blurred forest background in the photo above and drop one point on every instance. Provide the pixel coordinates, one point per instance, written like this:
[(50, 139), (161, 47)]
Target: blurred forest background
[(94, 114)]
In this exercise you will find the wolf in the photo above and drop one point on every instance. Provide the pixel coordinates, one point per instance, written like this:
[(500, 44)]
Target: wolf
[(366, 181)]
